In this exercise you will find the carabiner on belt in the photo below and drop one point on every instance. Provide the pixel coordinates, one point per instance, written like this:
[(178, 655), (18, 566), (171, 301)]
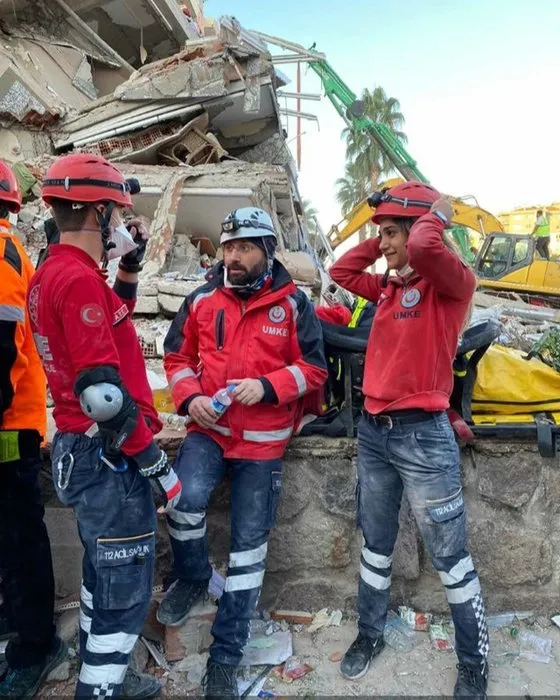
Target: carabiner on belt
[(64, 479)]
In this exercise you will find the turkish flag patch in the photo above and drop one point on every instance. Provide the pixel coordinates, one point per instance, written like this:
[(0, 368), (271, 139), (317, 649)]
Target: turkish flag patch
[(92, 315)]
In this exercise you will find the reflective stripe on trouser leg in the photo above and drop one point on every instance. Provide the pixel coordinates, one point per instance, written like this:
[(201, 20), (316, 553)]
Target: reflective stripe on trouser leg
[(86, 613), (184, 527), (462, 588)]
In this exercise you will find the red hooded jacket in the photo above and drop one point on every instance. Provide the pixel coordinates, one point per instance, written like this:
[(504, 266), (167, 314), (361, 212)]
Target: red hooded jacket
[(273, 335), (79, 323), (414, 337)]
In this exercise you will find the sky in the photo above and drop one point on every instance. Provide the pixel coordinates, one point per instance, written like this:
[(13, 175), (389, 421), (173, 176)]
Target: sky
[(478, 82)]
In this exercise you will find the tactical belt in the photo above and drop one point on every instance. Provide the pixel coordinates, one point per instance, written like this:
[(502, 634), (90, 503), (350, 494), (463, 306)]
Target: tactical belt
[(19, 444)]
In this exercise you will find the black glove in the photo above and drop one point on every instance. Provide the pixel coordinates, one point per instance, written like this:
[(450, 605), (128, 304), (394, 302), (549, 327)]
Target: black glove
[(131, 262)]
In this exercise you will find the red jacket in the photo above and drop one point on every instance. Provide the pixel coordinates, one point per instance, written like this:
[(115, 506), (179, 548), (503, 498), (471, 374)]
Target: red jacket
[(409, 358), (79, 322), (273, 335)]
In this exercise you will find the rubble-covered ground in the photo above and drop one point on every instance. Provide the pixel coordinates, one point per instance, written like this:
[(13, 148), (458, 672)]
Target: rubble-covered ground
[(421, 671)]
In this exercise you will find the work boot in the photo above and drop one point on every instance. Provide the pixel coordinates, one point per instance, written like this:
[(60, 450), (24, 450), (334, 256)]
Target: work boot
[(357, 659), (179, 599), (140, 685), (220, 680), (472, 681), (25, 682)]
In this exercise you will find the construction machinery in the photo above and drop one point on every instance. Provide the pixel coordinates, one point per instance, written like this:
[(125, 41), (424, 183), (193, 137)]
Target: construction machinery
[(506, 265)]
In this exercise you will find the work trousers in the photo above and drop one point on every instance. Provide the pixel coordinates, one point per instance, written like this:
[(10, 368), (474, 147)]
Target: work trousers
[(423, 459), (542, 244), (25, 564), (255, 492), (116, 523)]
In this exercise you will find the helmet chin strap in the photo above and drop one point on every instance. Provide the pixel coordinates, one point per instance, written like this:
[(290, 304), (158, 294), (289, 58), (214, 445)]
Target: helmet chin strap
[(104, 221)]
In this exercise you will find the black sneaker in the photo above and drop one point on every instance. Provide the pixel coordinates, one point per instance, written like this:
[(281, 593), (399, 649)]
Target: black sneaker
[(356, 661), (140, 685), (179, 599), (472, 681), (220, 681), (25, 682)]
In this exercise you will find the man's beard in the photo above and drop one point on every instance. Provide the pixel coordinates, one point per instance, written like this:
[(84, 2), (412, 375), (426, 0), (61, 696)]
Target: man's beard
[(248, 276)]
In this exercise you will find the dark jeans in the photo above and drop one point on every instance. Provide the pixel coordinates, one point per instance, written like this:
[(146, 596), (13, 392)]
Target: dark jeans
[(116, 522), (542, 244), (423, 459), (25, 564), (255, 491)]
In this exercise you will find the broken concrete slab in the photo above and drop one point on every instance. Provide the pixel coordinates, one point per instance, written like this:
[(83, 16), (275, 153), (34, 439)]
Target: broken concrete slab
[(146, 306), (192, 637), (170, 305), (178, 288), (188, 74)]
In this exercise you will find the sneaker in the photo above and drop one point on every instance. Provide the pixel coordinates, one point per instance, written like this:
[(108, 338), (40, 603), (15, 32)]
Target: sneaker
[(25, 682), (179, 599), (356, 661), (472, 681), (140, 685), (220, 680)]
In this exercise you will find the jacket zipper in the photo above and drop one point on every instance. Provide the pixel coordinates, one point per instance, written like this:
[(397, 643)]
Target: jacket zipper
[(220, 329)]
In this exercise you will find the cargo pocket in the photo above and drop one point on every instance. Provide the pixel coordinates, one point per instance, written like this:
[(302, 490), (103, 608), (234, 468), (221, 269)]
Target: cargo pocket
[(449, 527), (124, 571), (274, 497)]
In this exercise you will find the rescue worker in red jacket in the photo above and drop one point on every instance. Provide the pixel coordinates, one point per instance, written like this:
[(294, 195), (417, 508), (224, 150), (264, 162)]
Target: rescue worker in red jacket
[(249, 326), (26, 573), (405, 440), (104, 456)]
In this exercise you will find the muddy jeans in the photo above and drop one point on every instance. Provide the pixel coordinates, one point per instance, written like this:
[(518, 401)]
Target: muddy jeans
[(255, 491), (116, 523), (422, 458)]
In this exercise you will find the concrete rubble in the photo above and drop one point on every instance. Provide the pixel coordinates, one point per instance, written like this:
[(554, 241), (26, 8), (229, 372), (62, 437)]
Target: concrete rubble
[(185, 104)]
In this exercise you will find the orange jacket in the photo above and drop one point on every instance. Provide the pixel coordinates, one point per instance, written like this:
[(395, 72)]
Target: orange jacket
[(23, 388)]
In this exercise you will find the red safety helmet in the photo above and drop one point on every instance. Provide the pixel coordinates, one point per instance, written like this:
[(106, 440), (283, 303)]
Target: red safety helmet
[(9, 188), (407, 200), (84, 177)]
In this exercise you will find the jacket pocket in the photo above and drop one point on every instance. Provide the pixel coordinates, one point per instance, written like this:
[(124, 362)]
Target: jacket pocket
[(125, 571), (219, 329)]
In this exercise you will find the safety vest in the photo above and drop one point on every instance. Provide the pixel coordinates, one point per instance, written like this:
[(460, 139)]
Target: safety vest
[(23, 378), (360, 306), (543, 227)]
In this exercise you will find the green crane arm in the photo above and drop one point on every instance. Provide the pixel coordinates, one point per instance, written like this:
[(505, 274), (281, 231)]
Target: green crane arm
[(351, 110)]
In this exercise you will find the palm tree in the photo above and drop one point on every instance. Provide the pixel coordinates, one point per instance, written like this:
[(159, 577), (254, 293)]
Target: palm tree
[(310, 218), (360, 147), (353, 188)]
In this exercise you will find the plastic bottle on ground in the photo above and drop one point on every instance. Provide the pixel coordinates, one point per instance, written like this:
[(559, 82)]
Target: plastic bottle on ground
[(398, 634)]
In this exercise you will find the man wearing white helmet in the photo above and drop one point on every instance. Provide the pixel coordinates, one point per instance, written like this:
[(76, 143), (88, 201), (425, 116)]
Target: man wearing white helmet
[(250, 328)]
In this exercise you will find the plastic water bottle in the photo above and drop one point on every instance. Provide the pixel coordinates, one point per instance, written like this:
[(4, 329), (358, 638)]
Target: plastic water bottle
[(222, 400)]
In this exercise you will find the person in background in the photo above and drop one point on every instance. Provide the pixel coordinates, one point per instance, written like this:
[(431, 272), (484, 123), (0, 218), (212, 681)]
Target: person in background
[(541, 232), (405, 441), (25, 556), (104, 456), (251, 330)]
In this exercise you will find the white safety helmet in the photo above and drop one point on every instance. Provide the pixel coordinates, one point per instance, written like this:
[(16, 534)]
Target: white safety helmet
[(248, 222)]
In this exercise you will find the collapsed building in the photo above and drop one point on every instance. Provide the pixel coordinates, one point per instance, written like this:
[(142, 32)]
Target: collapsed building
[(188, 106)]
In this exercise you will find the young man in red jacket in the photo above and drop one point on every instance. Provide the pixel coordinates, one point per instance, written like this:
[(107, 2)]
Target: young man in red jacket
[(104, 456), (249, 326), (405, 440)]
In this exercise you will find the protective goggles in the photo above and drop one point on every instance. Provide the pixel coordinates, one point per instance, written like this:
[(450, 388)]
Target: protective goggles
[(377, 198)]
